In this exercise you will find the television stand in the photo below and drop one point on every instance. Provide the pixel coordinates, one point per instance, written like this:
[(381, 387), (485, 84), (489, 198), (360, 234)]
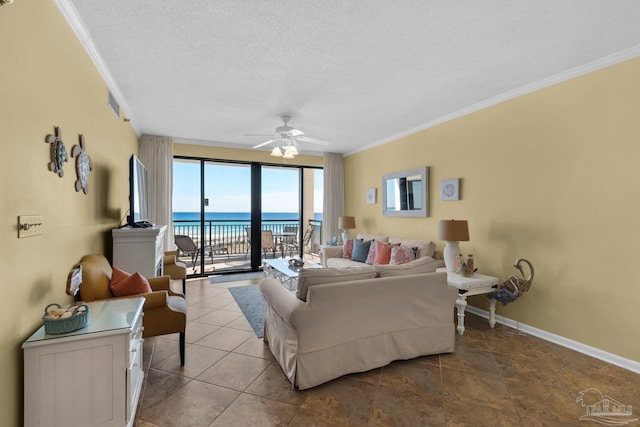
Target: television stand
[(137, 249), (142, 224)]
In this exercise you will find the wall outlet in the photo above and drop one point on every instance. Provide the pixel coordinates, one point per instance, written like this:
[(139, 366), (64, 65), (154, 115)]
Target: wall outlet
[(30, 225)]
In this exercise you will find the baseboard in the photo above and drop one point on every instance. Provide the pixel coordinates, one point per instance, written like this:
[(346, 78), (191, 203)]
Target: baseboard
[(614, 359)]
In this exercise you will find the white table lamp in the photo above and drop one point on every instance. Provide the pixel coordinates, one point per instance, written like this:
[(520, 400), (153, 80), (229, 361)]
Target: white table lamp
[(452, 231), (344, 224)]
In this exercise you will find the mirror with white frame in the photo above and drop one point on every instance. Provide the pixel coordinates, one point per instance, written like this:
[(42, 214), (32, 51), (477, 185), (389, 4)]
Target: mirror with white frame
[(406, 193)]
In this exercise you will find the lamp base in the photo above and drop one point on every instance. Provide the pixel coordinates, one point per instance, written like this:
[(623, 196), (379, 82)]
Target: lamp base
[(451, 251), (345, 236)]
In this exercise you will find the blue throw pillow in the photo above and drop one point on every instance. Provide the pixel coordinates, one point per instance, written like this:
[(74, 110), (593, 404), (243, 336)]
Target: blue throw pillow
[(360, 250)]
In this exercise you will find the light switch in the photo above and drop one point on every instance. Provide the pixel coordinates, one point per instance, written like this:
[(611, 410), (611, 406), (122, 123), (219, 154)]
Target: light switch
[(29, 225)]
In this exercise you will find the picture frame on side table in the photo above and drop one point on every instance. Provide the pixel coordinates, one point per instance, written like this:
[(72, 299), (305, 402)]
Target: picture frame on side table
[(450, 189), (371, 196)]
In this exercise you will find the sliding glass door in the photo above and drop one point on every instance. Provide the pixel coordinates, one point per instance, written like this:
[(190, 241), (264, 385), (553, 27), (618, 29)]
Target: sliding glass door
[(230, 216), (280, 219)]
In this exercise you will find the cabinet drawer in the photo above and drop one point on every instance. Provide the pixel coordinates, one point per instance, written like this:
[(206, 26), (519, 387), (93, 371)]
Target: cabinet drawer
[(135, 376), (135, 342)]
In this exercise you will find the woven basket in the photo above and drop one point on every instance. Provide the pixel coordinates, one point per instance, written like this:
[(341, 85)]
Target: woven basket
[(61, 326)]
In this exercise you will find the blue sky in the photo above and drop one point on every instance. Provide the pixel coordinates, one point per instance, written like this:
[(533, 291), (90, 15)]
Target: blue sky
[(228, 188)]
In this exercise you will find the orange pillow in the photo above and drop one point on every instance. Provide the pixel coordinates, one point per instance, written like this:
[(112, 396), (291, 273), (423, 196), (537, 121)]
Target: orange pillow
[(383, 253), (125, 284)]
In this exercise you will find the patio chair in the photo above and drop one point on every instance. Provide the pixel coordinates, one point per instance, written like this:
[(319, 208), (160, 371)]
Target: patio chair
[(187, 246), (290, 241), (268, 243), (248, 245), (219, 247), (306, 240)]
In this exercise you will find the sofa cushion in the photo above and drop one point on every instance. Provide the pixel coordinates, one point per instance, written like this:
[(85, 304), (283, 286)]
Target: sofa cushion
[(341, 263), (360, 250), (425, 247), (420, 265), (125, 284), (318, 276), (402, 254)]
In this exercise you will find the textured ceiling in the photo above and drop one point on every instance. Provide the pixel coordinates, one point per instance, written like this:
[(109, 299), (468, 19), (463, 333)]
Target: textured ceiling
[(354, 73)]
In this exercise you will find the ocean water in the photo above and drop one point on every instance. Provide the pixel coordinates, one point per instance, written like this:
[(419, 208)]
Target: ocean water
[(230, 226)]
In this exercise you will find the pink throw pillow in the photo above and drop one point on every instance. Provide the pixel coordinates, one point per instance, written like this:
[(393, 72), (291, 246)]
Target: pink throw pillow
[(371, 256), (125, 284), (347, 249), (383, 253), (401, 255)]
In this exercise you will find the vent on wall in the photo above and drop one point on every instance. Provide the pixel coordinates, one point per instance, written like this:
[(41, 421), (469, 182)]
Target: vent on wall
[(114, 105)]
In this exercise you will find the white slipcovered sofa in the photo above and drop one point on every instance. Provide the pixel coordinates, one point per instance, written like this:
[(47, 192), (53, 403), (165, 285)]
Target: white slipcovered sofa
[(333, 256), (357, 325)]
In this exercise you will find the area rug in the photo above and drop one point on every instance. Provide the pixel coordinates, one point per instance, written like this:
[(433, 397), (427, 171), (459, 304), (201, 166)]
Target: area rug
[(251, 302), (236, 277)]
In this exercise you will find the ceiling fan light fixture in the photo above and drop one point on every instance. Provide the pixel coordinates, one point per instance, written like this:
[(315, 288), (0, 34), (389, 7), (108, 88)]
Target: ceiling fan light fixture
[(290, 154), (291, 149), (276, 152)]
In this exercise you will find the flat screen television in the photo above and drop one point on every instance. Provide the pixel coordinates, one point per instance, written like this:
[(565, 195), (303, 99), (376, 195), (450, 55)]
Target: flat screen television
[(138, 195)]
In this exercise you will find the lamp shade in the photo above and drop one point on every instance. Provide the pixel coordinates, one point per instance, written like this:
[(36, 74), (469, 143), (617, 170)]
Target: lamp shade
[(346, 222), (453, 230), (276, 152)]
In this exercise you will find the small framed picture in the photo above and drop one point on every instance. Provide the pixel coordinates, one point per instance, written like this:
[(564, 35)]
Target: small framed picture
[(371, 196), (450, 189)]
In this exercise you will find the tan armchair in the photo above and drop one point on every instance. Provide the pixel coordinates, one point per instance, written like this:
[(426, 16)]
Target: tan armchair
[(165, 311), (175, 269)]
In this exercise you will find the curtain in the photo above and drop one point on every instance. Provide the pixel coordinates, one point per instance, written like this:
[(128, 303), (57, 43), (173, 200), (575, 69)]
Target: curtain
[(333, 200), (156, 153)]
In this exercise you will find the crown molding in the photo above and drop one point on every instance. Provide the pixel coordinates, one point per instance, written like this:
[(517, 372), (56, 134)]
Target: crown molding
[(581, 70)]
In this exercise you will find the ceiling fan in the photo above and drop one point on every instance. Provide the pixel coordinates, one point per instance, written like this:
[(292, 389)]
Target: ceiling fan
[(286, 139)]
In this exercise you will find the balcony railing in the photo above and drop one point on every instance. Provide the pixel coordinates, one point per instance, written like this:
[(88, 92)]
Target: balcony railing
[(230, 241)]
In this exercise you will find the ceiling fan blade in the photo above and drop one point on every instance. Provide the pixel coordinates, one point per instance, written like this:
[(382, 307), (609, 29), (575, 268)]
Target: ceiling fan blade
[(265, 143), (312, 140), (295, 132)]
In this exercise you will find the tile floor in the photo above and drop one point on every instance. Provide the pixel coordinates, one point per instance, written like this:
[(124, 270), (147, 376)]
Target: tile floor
[(231, 379)]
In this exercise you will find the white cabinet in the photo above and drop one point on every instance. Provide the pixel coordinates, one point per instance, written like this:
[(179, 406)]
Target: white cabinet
[(139, 249), (92, 376)]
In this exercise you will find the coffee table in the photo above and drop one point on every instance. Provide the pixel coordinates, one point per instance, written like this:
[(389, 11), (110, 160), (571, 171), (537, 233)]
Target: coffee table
[(279, 268)]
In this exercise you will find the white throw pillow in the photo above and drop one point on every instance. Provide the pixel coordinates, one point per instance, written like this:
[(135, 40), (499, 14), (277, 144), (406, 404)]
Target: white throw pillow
[(420, 265), (425, 247), (364, 236), (318, 276)]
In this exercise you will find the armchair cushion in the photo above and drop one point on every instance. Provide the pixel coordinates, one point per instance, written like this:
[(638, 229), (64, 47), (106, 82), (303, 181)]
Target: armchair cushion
[(125, 284)]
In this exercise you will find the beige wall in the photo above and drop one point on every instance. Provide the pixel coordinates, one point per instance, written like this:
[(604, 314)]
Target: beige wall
[(47, 80), (552, 177)]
